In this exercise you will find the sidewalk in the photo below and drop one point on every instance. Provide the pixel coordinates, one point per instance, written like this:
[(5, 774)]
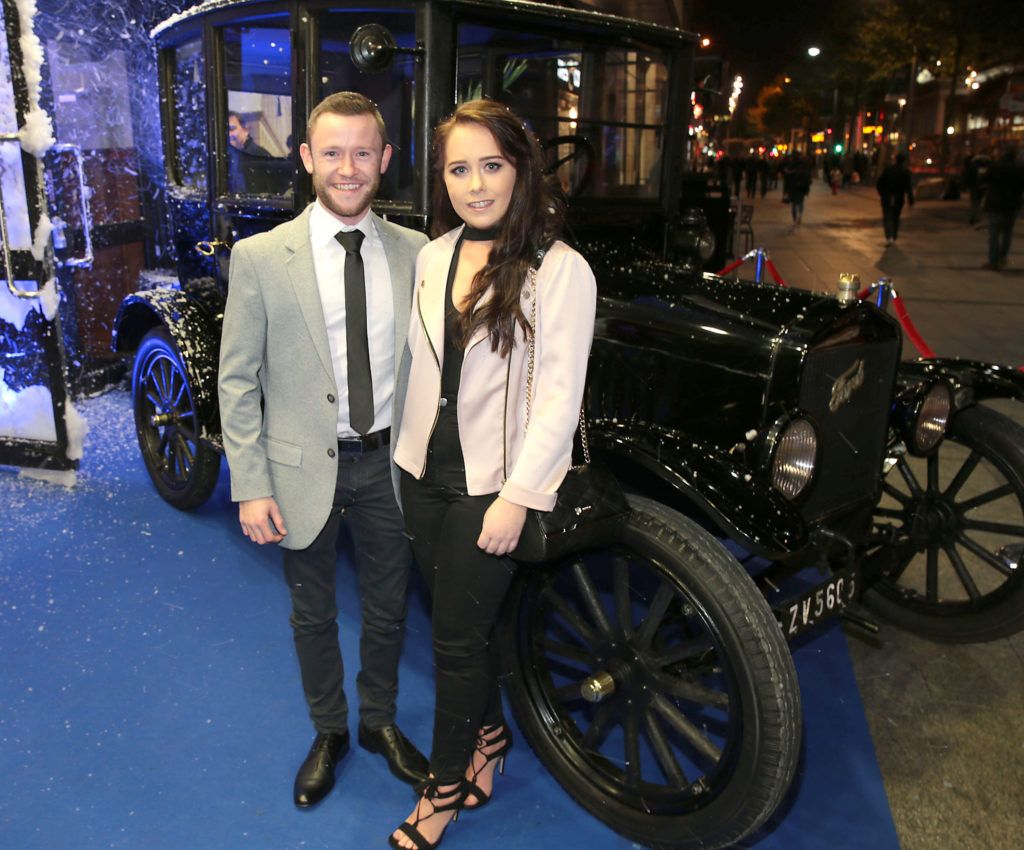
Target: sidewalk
[(947, 720), (960, 309)]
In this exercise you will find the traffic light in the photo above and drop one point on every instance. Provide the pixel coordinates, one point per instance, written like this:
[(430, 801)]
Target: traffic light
[(839, 148)]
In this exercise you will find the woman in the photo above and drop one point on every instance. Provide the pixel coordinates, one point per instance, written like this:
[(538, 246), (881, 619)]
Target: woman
[(471, 466)]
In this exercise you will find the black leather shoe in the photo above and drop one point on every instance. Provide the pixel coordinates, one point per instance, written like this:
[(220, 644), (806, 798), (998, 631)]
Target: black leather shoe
[(404, 760), (316, 776)]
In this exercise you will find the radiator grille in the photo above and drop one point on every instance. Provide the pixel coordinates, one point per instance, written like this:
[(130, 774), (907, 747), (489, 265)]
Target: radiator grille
[(847, 389)]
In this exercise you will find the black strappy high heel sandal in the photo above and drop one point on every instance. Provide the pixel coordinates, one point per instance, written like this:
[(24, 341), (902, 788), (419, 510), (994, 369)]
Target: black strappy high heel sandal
[(431, 793), (502, 743)]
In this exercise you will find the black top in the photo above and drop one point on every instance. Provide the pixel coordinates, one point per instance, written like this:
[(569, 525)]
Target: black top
[(451, 371), (1005, 182), (894, 184)]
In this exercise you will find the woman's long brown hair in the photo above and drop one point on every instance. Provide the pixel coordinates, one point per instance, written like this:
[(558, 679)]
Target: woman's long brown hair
[(533, 221)]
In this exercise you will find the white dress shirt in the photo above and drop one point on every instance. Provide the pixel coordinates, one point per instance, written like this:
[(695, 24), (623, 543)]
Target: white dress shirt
[(329, 263)]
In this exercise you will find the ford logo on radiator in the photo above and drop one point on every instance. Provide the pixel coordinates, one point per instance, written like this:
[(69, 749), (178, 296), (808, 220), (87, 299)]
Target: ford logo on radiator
[(846, 385)]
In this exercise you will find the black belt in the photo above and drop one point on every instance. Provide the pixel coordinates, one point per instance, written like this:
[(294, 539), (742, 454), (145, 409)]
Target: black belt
[(367, 443)]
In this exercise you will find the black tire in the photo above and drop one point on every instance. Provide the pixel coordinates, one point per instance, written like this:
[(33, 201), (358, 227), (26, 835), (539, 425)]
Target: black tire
[(184, 470), (696, 659), (952, 533)]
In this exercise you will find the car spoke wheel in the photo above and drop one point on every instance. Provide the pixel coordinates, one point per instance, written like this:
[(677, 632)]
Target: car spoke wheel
[(949, 534), (182, 467), (654, 683)]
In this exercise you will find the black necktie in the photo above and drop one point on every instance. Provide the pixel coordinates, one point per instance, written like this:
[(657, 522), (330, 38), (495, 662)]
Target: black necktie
[(360, 384)]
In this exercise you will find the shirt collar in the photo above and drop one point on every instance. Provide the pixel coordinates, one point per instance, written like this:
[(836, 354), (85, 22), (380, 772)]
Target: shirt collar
[(323, 226)]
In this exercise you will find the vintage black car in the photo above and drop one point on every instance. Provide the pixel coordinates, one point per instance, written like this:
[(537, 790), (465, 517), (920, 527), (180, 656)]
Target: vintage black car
[(777, 425)]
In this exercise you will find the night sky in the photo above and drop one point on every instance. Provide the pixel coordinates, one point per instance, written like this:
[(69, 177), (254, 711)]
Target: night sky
[(762, 39)]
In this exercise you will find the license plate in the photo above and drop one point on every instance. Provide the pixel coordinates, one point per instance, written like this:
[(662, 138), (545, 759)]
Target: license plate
[(818, 604)]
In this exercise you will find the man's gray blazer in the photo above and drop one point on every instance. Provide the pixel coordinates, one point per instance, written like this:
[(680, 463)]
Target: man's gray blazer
[(278, 410)]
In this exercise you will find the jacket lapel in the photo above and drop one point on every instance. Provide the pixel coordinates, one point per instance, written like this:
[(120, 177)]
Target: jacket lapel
[(431, 288), (400, 265), (302, 275)]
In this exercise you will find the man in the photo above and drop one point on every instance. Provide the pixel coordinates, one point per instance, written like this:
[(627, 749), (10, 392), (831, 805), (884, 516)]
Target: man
[(975, 179), (893, 187), (314, 330), (796, 184), (1004, 185), (245, 173)]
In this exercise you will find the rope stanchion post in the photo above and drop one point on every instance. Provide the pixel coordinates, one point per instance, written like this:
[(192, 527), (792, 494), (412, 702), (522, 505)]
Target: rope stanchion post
[(760, 258), (762, 262)]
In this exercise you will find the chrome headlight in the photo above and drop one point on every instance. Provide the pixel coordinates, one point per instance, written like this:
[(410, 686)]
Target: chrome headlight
[(928, 418), (794, 454)]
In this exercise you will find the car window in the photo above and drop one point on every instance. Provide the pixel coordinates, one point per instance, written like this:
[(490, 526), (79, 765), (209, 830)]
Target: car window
[(189, 116), (258, 123), (392, 90), (600, 109)]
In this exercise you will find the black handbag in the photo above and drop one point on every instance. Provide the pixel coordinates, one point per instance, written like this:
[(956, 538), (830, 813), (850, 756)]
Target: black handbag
[(590, 508)]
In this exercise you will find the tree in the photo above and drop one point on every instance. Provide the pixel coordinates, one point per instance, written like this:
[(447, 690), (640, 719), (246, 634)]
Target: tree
[(944, 37), (780, 106)]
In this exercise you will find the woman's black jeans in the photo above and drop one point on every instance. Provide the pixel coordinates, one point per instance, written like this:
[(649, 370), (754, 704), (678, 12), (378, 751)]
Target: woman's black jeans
[(468, 587)]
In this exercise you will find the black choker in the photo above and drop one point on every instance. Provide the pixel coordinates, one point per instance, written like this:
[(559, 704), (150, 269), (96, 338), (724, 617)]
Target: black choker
[(480, 234)]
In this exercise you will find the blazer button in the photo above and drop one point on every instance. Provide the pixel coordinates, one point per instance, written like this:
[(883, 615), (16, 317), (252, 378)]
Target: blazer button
[(330, 453), (330, 397)]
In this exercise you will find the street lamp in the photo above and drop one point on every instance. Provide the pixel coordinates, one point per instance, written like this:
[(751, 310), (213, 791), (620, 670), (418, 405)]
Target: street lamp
[(813, 51)]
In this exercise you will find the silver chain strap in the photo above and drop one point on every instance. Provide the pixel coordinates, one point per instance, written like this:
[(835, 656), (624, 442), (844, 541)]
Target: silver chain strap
[(531, 359)]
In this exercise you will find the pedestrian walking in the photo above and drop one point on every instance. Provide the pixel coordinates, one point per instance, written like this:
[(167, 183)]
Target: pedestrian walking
[(846, 167), (1004, 190), (796, 183), (750, 175), (834, 178), (737, 166), (894, 187), (975, 179)]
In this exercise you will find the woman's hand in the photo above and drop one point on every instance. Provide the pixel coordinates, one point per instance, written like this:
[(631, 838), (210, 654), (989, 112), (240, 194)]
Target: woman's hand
[(503, 523)]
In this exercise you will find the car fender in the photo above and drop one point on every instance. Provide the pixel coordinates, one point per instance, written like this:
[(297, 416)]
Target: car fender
[(196, 333), (744, 507), (972, 380)]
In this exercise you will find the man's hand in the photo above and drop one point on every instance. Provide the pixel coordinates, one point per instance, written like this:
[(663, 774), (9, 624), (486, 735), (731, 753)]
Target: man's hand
[(261, 520), (503, 523)]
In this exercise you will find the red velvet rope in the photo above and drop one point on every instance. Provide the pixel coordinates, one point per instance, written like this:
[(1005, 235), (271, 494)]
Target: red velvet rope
[(732, 267), (774, 272), (908, 326)]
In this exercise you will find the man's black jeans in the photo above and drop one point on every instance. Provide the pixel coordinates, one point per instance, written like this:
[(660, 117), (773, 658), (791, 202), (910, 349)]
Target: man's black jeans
[(365, 498)]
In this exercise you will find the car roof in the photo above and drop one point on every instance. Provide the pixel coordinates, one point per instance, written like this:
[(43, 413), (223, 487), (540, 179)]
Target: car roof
[(504, 7)]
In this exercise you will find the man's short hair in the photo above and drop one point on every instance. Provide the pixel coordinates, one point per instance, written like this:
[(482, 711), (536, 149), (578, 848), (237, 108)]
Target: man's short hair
[(238, 117), (347, 103)]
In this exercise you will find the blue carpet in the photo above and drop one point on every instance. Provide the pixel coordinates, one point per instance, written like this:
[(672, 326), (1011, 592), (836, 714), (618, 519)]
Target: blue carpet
[(150, 698)]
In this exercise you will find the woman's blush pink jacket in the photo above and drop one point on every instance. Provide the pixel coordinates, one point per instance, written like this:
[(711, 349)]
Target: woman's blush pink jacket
[(523, 465)]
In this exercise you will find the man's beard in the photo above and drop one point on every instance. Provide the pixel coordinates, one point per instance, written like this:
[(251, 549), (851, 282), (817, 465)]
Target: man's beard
[(356, 208)]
